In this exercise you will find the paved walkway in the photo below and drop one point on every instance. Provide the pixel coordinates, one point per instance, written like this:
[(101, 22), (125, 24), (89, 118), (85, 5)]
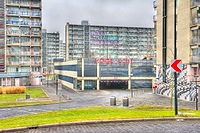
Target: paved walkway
[(168, 126), (141, 97)]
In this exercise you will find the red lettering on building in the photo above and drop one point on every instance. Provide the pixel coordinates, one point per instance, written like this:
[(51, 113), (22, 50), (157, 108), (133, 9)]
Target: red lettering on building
[(111, 61)]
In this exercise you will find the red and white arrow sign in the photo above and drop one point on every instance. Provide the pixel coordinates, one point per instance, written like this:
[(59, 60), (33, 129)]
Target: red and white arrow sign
[(176, 66)]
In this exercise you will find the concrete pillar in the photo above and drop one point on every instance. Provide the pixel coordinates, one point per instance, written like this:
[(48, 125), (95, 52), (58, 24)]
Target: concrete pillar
[(129, 76), (98, 77), (83, 81), (6, 82), (83, 84)]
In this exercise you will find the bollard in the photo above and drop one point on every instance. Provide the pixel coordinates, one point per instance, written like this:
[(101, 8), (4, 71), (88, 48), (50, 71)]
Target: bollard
[(125, 101), (27, 96), (113, 101)]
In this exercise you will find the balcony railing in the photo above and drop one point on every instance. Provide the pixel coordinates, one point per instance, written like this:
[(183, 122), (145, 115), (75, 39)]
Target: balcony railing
[(195, 2), (155, 3), (12, 52), (38, 14), (36, 24), (35, 53), (196, 39), (195, 21), (13, 63), (25, 62), (36, 43), (25, 53), (35, 63), (25, 43), (155, 18), (195, 59), (12, 12)]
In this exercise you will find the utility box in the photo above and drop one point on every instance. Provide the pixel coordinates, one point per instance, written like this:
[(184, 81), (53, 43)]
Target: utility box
[(125, 101), (113, 101)]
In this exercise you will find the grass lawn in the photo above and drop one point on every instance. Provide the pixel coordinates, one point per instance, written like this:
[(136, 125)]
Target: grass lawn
[(7, 100), (93, 113)]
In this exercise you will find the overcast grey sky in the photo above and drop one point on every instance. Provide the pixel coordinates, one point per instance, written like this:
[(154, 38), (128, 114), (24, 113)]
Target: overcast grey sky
[(133, 13)]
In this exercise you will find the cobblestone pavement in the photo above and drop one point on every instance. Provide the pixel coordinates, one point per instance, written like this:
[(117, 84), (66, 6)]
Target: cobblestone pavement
[(172, 126)]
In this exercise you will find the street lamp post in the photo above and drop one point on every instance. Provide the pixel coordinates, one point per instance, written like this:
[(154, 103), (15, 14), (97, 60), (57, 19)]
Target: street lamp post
[(56, 84), (196, 92)]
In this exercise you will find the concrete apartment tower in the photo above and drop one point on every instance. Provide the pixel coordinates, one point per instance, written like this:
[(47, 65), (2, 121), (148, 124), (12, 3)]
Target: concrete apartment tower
[(187, 32), (20, 42)]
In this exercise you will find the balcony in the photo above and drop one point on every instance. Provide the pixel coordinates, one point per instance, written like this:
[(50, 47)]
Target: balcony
[(154, 18), (13, 63), (155, 3), (37, 24), (12, 12), (36, 4), (25, 53), (195, 21), (195, 3), (195, 59), (25, 63), (35, 44), (36, 14), (195, 39), (35, 53), (12, 22), (10, 53), (25, 43), (36, 63)]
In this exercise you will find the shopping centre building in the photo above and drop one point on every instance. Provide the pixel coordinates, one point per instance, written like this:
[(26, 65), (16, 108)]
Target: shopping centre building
[(107, 57)]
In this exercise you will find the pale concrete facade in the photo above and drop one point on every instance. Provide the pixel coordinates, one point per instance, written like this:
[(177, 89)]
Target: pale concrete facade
[(183, 31), (186, 11), (187, 44)]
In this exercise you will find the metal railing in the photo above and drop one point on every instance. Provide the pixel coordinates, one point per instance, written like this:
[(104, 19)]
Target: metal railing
[(195, 39), (195, 2), (155, 3), (195, 21), (195, 59)]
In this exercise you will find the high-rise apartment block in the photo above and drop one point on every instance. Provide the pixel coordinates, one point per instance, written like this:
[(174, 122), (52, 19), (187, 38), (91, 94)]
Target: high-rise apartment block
[(51, 45), (108, 42), (20, 41), (62, 50)]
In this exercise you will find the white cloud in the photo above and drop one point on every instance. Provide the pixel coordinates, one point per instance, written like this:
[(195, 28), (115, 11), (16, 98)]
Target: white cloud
[(98, 12)]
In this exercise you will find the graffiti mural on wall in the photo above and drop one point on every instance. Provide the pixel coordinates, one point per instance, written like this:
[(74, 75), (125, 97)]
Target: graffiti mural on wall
[(185, 89)]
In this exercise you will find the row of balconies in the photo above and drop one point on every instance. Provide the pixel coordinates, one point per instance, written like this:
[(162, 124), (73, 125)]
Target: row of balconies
[(24, 63), (23, 13), (13, 52), (23, 3), (17, 43), (23, 23)]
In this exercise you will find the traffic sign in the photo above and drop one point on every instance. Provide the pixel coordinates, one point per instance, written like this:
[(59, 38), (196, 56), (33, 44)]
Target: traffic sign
[(176, 66)]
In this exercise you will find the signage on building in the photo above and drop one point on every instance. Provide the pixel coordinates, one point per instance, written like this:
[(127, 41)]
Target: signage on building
[(108, 61)]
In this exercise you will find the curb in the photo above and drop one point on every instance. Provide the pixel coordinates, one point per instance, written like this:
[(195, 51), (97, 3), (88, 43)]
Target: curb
[(97, 122)]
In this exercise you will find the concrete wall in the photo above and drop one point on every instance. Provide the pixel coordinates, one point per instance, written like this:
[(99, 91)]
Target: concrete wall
[(183, 31)]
